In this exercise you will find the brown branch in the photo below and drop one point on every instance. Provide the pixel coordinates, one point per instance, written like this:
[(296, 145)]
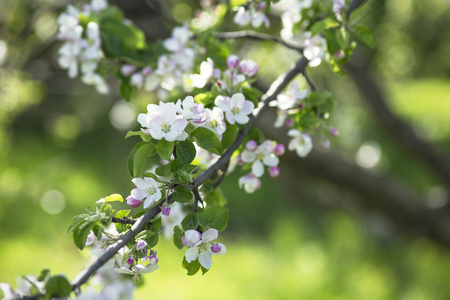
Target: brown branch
[(125, 220), (257, 36)]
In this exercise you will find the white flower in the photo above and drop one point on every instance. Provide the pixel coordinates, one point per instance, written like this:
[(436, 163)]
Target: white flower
[(263, 155), (314, 51), (96, 80), (242, 16), (248, 67), (137, 269), (163, 122), (214, 121), (338, 6), (202, 248), (301, 143), (98, 5), (288, 100), (180, 35), (250, 182), (146, 188), (236, 108), (191, 110), (206, 72)]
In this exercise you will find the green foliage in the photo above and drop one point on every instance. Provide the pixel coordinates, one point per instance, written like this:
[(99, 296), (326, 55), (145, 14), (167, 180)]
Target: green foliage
[(190, 221), (185, 152), (177, 234), (57, 286), (138, 157), (323, 25), (192, 267), (182, 195), (364, 35), (165, 149), (206, 139), (215, 217)]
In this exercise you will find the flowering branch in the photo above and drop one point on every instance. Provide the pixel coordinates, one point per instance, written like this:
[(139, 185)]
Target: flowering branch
[(278, 85), (257, 36)]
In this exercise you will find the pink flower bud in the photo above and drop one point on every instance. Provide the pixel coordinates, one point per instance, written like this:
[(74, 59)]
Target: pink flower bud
[(326, 144), (216, 248), (334, 132), (300, 105), (146, 71), (165, 210), (133, 202), (191, 237), (153, 259), (232, 61), (279, 149), (251, 145), (127, 69), (141, 244), (262, 6), (274, 171), (289, 122), (144, 251), (240, 162), (249, 67)]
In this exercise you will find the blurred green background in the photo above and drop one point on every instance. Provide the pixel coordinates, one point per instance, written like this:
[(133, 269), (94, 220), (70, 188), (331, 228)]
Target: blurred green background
[(303, 235)]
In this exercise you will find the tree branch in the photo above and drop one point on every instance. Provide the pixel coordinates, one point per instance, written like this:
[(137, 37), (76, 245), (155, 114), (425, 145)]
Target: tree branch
[(282, 81), (257, 36)]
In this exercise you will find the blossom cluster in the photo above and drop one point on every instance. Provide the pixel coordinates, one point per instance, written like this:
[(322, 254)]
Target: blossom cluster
[(259, 156), (202, 247), (252, 13), (171, 67), (81, 51)]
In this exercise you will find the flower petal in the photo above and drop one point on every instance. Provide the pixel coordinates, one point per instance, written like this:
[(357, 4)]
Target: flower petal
[(258, 168), (191, 254), (205, 259), (209, 235)]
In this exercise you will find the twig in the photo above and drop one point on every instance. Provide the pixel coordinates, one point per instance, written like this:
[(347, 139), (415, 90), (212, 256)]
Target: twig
[(257, 36), (222, 176), (125, 220), (278, 85), (197, 199)]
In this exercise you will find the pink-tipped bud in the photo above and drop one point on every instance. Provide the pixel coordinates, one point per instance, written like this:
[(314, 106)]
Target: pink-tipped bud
[(129, 261), (232, 62), (334, 132), (279, 149), (249, 67), (274, 171), (133, 202), (216, 248), (144, 251), (251, 145), (153, 259), (326, 144), (262, 6), (191, 237), (300, 105), (289, 122), (141, 244), (165, 210), (146, 71), (127, 69)]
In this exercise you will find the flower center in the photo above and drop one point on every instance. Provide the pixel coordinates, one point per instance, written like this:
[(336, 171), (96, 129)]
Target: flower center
[(150, 190), (213, 123), (236, 110), (165, 127)]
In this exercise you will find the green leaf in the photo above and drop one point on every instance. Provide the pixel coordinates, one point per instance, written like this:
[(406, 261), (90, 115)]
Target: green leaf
[(156, 225), (120, 214), (114, 197), (364, 35), (81, 233), (153, 240), (215, 198), (342, 38), (175, 165), (57, 286), (182, 195), (207, 139), (76, 221), (229, 136), (322, 25), (215, 217), (177, 237), (126, 90), (144, 137), (185, 152), (165, 149), (192, 267), (190, 221), (204, 270), (138, 157), (44, 275)]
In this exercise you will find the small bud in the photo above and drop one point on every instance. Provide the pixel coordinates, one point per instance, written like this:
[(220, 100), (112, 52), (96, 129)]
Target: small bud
[(216, 248), (279, 149), (133, 202), (262, 6), (300, 105), (191, 237), (216, 73), (251, 145), (144, 251), (146, 71), (326, 144), (240, 162), (141, 244), (334, 132), (127, 69), (130, 261), (165, 210), (274, 171), (232, 62), (153, 259), (289, 122), (249, 67)]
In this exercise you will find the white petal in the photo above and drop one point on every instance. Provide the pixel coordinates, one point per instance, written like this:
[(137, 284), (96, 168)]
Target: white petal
[(271, 160), (205, 259), (294, 133), (223, 249), (191, 254), (258, 168), (209, 235)]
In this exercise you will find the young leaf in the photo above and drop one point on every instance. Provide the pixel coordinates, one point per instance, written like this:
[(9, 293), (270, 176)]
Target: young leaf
[(364, 35), (207, 140), (322, 25), (229, 136), (114, 197), (81, 233), (153, 240), (57, 287), (190, 221), (144, 137), (182, 195), (215, 217), (191, 267), (185, 152), (177, 237), (165, 149)]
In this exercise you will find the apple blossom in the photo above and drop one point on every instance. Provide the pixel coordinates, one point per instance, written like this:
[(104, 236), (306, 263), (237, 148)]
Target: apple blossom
[(192, 111), (242, 16), (146, 188), (236, 108), (279, 149), (232, 61), (165, 210), (202, 248), (301, 143), (191, 238), (214, 121), (162, 122), (274, 171), (334, 132), (141, 244), (250, 182), (262, 155), (206, 72), (248, 67), (133, 202)]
